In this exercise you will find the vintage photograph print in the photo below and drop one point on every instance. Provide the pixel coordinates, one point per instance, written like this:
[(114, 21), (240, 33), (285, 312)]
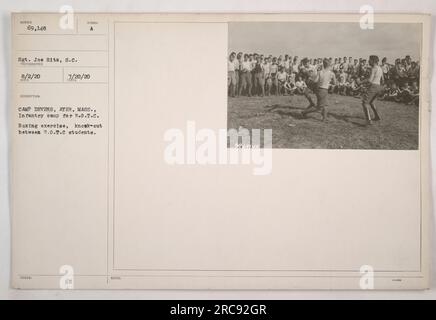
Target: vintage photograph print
[(325, 85)]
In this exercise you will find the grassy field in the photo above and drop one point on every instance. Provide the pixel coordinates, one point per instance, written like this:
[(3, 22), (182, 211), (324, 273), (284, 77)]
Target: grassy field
[(345, 128)]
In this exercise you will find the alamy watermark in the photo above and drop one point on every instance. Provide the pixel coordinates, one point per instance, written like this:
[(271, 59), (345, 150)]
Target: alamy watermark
[(219, 147), (367, 19), (66, 21), (366, 281), (66, 282)]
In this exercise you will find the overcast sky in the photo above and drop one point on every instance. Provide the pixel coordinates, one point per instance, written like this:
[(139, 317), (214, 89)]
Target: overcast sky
[(312, 39)]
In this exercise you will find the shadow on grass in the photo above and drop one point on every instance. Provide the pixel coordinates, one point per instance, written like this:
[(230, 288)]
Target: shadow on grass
[(281, 106), (286, 111), (346, 119), (295, 112)]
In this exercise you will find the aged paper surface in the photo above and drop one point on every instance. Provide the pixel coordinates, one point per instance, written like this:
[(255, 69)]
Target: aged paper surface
[(103, 198)]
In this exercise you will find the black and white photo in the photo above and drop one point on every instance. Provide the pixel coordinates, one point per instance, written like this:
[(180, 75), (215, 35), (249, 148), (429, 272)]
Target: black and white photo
[(324, 85)]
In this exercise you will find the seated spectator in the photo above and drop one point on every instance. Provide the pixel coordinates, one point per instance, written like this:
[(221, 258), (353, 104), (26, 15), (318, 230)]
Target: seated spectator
[(300, 85)]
